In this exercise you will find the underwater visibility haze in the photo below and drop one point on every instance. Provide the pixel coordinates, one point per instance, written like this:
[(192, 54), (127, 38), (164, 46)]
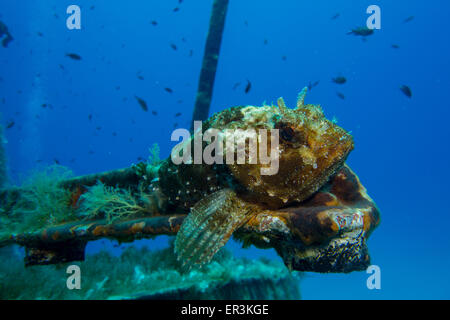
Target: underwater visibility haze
[(354, 209)]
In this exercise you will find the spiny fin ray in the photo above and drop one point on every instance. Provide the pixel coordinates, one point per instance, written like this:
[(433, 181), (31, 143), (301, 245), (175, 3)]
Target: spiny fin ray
[(282, 106), (209, 226), (301, 98)]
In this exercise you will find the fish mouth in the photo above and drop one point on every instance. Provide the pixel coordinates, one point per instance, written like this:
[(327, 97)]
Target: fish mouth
[(342, 151)]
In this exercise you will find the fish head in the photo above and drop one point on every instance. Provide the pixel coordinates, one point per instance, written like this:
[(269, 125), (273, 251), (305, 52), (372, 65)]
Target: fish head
[(309, 149)]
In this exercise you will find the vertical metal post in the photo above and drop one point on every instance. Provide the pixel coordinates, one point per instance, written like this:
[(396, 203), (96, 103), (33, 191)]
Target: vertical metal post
[(210, 60), (3, 168)]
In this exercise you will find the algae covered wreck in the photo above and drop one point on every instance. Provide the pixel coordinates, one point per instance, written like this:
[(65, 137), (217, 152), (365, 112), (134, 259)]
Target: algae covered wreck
[(314, 212)]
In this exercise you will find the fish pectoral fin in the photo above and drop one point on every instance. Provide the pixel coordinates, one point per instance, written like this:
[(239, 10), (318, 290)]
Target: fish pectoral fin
[(208, 227)]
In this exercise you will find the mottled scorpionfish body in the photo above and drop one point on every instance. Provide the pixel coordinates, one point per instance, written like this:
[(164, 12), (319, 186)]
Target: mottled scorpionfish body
[(222, 197)]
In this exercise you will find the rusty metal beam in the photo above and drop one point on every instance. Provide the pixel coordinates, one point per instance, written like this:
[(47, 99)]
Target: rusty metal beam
[(210, 61), (326, 233)]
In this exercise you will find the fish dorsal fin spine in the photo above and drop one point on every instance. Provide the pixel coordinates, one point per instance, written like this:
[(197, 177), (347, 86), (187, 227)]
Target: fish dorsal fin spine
[(282, 106), (301, 98)]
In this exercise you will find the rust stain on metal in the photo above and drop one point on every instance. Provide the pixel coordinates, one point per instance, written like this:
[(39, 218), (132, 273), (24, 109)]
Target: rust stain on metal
[(55, 236), (100, 231), (137, 227)]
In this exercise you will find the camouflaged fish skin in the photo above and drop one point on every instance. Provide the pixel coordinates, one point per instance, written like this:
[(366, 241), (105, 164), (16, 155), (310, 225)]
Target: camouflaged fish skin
[(219, 199), (311, 150)]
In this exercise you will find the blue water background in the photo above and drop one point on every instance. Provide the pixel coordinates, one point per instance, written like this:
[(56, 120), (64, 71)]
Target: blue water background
[(402, 144)]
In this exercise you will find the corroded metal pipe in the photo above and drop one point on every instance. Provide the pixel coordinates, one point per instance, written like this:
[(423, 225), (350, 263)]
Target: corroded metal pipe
[(210, 61), (326, 233)]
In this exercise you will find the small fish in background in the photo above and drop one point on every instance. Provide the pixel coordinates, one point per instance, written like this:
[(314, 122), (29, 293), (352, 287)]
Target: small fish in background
[(114, 134), (92, 7), (337, 15), (180, 1), (10, 124), (61, 66), (406, 91), (237, 84), (169, 90), (339, 80), (73, 56), (140, 77), (177, 114), (266, 41), (155, 113), (284, 58), (409, 19), (191, 53), (90, 117), (154, 22), (175, 125), (248, 87), (4, 32), (361, 31), (176, 9), (117, 88), (40, 34), (56, 161), (395, 46), (173, 46), (311, 85), (340, 95), (142, 103)]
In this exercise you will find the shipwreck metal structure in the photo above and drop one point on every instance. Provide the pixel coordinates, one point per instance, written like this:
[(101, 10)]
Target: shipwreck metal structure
[(325, 233)]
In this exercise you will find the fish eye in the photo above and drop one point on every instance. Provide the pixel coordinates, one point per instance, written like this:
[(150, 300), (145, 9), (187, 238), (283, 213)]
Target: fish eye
[(286, 132)]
